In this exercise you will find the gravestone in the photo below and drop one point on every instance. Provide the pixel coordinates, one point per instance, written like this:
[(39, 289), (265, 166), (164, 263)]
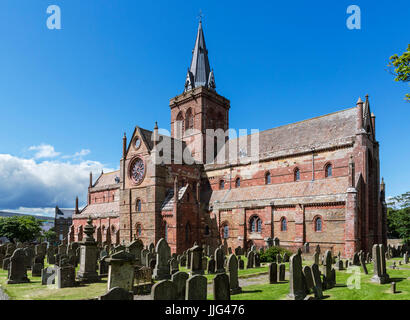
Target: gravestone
[(316, 257), (356, 259), (163, 254), (307, 272), (37, 267), (135, 248), (196, 260), (363, 262), (276, 242), (117, 293), (48, 276), (211, 265), (241, 263), (317, 281), (17, 268), (121, 270), (296, 278), (379, 265), (306, 247), (204, 263), (233, 274), (251, 260), (180, 278), (282, 272), (257, 258), (164, 290), (329, 274), (174, 265), (238, 251), (188, 256), (88, 256), (393, 288), (6, 263), (405, 258), (65, 275), (51, 259), (273, 273), (196, 288), (103, 266), (285, 257), (278, 258), (144, 254), (221, 287), (219, 260)]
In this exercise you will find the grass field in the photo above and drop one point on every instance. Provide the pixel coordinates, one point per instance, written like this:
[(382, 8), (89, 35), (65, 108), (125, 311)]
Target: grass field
[(367, 291)]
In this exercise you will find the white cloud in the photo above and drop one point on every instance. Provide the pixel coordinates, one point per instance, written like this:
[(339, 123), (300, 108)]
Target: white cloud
[(44, 151), (48, 212), (78, 155), (30, 183)]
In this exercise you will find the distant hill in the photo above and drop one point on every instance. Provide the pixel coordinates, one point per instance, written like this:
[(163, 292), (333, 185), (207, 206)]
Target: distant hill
[(12, 214)]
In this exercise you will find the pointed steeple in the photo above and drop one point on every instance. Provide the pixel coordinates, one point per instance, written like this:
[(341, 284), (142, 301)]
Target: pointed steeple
[(200, 74)]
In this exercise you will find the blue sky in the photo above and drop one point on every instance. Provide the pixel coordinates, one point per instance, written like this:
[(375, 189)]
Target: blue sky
[(67, 96)]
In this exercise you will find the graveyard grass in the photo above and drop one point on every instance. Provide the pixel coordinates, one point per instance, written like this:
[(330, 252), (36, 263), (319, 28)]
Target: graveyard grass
[(368, 290)]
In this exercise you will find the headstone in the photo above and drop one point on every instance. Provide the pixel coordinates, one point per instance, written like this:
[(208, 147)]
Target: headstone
[(317, 281), (121, 270), (17, 268), (211, 265), (282, 272), (161, 270), (278, 258), (251, 260), (276, 242), (238, 251), (316, 257), (363, 262), (329, 275), (88, 256), (296, 278), (241, 263), (393, 287), (174, 265), (164, 290), (356, 259), (221, 287), (257, 258), (306, 247), (48, 276), (135, 248), (65, 275), (196, 260), (233, 274), (37, 266), (144, 254), (117, 293), (196, 288), (273, 272), (219, 260), (180, 278), (285, 257), (307, 272), (379, 265), (405, 258)]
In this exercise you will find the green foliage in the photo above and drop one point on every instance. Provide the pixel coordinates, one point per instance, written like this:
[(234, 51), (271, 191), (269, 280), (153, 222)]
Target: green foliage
[(398, 217), (270, 254), (20, 228), (401, 67), (50, 235)]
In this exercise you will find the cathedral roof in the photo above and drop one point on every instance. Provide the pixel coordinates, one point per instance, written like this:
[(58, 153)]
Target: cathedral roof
[(99, 210), (107, 179), (200, 74), (327, 131)]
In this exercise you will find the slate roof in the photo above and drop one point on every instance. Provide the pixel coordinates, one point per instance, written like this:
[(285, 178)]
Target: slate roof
[(168, 203), (64, 213), (331, 130), (107, 179), (96, 210), (324, 190)]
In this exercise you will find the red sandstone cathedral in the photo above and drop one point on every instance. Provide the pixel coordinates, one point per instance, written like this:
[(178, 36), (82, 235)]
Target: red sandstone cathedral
[(316, 181)]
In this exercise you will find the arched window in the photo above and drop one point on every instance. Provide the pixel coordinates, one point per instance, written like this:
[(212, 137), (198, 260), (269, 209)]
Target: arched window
[(189, 120), (112, 229), (283, 224), (297, 174), (328, 170), (187, 233), (221, 184), (267, 178), (138, 205), (179, 126), (318, 224), (256, 224), (226, 231), (237, 182), (138, 229), (207, 231)]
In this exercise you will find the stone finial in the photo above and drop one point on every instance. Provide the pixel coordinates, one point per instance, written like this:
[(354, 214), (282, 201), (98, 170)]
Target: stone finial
[(359, 101), (89, 231)]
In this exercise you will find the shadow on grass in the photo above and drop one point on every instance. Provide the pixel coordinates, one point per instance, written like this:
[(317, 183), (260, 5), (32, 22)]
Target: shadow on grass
[(324, 297), (251, 291), (339, 285), (396, 279)]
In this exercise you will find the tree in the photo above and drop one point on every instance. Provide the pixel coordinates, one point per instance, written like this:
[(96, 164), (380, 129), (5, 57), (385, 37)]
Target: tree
[(20, 228), (50, 235), (401, 66), (398, 217)]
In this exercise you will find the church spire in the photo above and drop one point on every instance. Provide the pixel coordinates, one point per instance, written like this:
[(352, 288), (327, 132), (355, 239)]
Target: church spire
[(200, 74)]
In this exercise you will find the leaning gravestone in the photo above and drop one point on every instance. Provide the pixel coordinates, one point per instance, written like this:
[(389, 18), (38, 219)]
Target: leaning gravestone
[(233, 274), (48, 276), (296, 278), (221, 287), (196, 288), (161, 270), (164, 290), (17, 268), (117, 293), (180, 278)]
